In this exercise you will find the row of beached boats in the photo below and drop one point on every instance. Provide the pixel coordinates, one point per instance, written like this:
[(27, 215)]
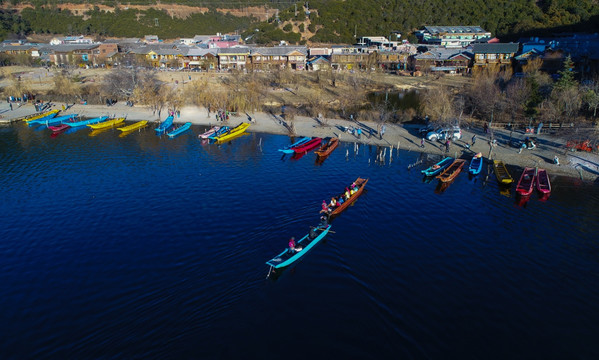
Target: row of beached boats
[(59, 124), (316, 234), (448, 169)]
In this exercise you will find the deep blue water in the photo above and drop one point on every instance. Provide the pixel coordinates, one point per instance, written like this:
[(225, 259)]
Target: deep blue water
[(147, 247)]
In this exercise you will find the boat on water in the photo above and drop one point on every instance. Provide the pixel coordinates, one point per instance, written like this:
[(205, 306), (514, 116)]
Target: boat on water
[(289, 148), (501, 173), (438, 167), (327, 148), (106, 124), (46, 114), (305, 147), (451, 171), (85, 122), (179, 130), (288, 256), (361, 184), (237, 130), (542, 182), (52, 119), (134, 126), (165, 125), (58, 128), (476, 164), (526, 182), (209, 132)]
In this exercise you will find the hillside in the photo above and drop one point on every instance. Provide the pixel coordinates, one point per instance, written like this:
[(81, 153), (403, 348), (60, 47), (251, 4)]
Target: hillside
[(329, 21)]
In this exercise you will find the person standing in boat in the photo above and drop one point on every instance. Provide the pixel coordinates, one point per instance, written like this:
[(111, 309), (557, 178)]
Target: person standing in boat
[(325, 207)]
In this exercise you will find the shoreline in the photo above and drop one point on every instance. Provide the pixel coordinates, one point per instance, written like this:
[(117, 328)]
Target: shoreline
[(397, 136)]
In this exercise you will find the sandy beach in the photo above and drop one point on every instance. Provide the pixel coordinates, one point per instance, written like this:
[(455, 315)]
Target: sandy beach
[(397, 136)]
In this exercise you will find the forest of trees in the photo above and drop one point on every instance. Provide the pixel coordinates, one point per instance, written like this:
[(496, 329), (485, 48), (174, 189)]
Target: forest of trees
[(330, 21)]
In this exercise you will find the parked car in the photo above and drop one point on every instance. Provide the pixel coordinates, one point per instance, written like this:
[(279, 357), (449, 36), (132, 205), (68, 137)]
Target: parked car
[(452, 133)]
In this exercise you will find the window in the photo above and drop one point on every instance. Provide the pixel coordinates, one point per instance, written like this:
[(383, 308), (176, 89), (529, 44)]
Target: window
[(275, 58), (491, 56), (258, 58)]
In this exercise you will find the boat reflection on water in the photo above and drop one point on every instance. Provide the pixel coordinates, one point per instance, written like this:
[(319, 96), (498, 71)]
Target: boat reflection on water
[(544, 197), (505, 191), (55, 134), (442, 186), (98, 131), (219, 142), (320, 160), (297, 156), (427, 179), (522, 200)]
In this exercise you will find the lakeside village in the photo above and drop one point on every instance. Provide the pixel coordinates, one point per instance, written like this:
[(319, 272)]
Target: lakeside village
[(441, 49)]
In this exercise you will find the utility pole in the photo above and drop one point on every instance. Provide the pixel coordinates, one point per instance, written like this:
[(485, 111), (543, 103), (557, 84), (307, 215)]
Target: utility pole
[(355, 31), (295, 9)]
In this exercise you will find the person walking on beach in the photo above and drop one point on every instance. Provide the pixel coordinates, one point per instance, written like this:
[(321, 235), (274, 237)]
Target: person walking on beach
[(473, 139), (447, 143), (10, 106), (422, 142)]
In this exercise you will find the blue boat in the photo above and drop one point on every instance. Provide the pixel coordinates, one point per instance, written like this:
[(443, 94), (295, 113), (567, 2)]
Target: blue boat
[(85, 122), (288, 257), (164, 126), (54, 120), (476, 164), (289, 148), (438, 167), (219, 132), (179, 130)]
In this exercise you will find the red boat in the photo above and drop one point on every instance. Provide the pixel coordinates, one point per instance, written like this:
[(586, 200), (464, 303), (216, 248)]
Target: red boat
[(60, 127), (543, 183), (308, 146), (526, 182)]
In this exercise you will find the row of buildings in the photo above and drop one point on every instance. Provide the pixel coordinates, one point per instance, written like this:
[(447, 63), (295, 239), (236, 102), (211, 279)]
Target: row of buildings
[(446, 49)]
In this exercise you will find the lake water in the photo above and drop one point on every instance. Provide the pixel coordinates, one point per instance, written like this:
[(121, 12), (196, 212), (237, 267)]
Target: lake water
[(146, 247)]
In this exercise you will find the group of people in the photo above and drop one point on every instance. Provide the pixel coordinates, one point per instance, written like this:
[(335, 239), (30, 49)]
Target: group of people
[(293, 246), (337, 201), (222, 115)]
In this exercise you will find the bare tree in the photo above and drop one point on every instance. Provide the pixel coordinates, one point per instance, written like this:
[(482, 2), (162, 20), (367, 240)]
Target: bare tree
[(438, 103), (123, 82)]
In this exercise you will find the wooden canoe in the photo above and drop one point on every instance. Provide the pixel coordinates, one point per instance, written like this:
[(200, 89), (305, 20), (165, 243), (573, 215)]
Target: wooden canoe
[(543, 183), (476, 165), (289, 148), (209, 132), (134, 126), (287, 257), (47, 114), (237, 130), (164, 126), (361, 185), (327, 149), (307, 146), (179, 130), (438, 167), (526, 182), (501, 173), (452, 170), (106, 124), (58, 128)]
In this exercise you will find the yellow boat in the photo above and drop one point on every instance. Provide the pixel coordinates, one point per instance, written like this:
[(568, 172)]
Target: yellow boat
[(106, 124), (237, 130), (39, 116), (137, 125)]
